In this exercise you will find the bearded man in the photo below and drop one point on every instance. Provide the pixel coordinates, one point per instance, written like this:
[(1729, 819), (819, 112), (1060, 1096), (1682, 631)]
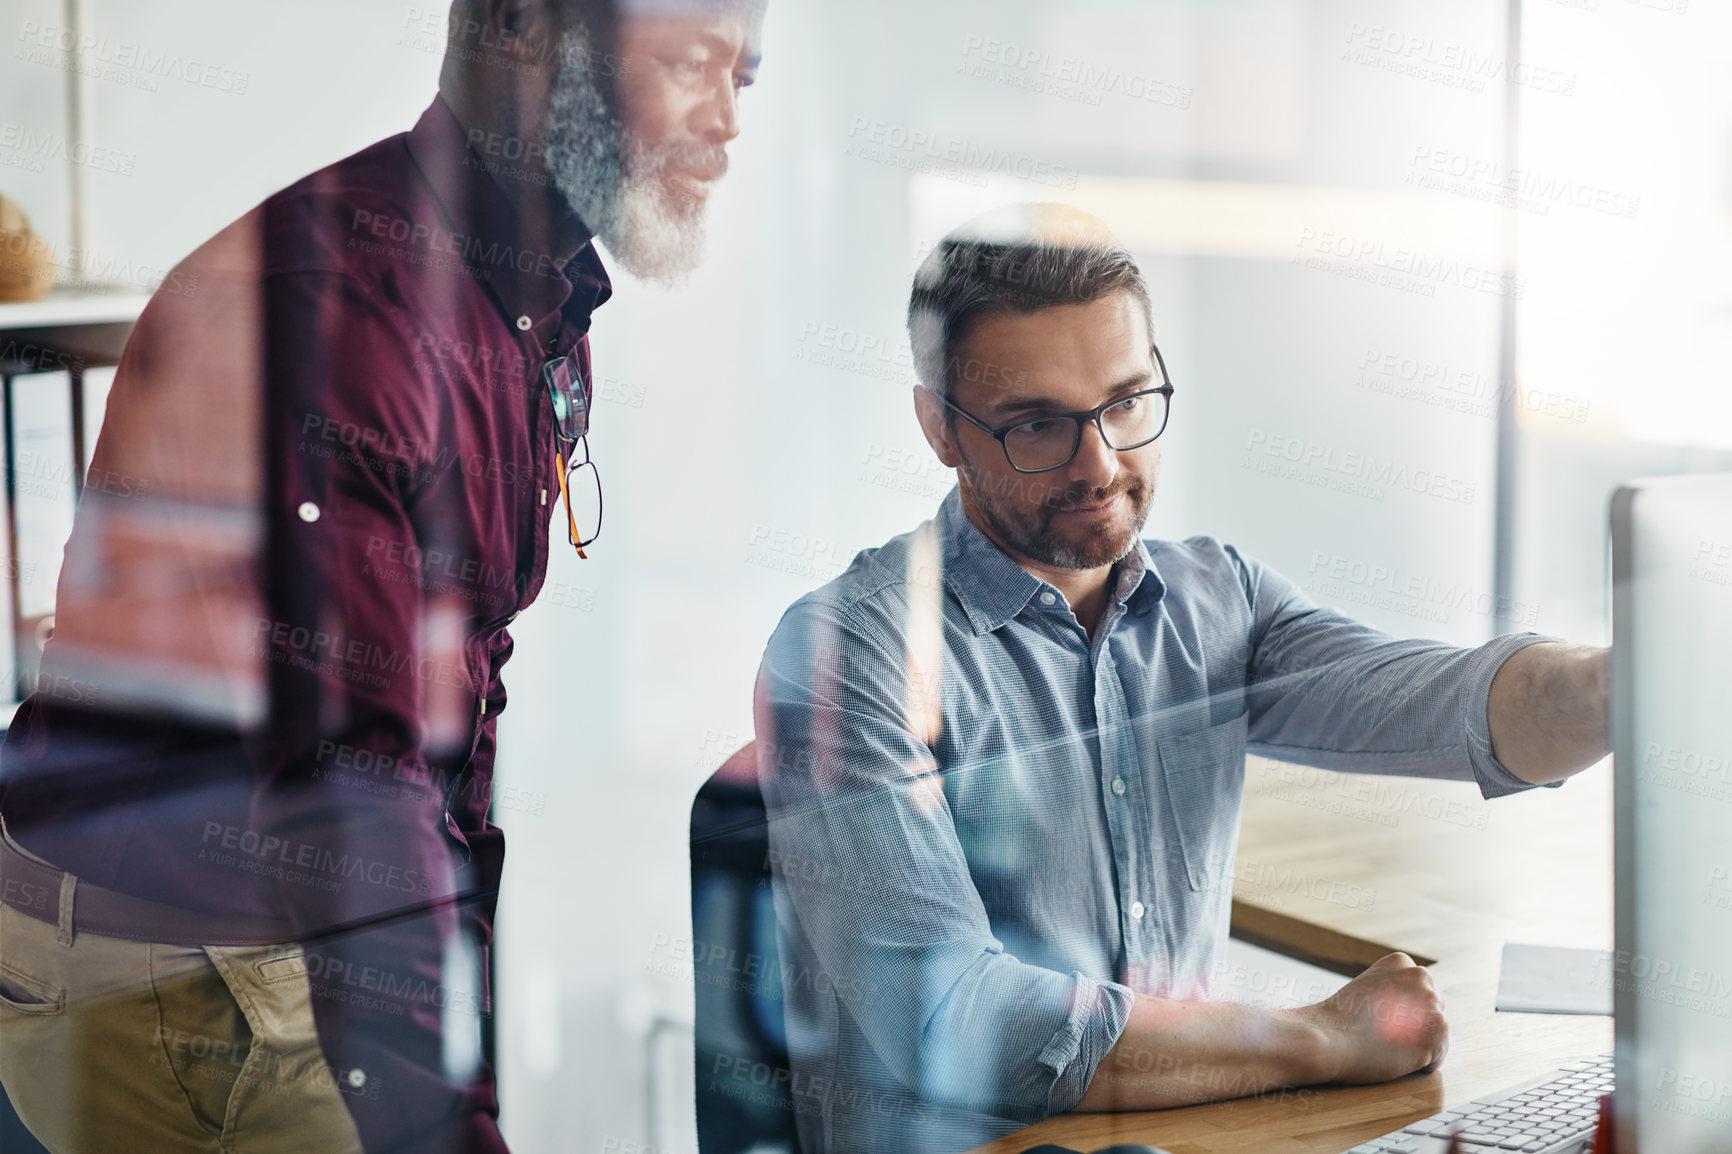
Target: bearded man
[(1002, 755), (247, 859)]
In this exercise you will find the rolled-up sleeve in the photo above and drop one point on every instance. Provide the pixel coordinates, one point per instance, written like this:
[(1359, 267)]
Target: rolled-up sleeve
[(1328, 691), (1099, 1012), (868, 864)]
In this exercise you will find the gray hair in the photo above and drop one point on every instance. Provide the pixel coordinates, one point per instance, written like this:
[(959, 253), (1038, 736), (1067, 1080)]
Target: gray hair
[(1016, 260)]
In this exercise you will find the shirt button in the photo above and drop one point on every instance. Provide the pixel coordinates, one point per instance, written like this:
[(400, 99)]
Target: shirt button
[(1049, 598), (357, 1077), (1119, 786), (524, 324), (309, 512), (1137, 910)]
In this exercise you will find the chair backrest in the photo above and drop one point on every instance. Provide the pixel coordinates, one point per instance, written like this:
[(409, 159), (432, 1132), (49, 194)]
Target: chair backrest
[(742, 1066)]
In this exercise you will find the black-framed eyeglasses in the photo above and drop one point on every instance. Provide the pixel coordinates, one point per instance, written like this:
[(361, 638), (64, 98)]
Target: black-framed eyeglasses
[(1042, 444), (579, 482)]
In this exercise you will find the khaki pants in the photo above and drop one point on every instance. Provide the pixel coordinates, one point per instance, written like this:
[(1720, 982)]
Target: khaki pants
[(110, 1046)]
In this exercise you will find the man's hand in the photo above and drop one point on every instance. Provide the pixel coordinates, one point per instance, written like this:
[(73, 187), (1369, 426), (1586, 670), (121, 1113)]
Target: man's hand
[(1383, 1024)]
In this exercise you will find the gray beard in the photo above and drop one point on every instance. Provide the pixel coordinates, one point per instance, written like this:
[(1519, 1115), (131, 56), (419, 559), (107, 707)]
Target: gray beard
[(613, 181), (1033, 537)]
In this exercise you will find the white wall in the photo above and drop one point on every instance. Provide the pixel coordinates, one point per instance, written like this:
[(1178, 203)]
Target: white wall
[(1630, 313)]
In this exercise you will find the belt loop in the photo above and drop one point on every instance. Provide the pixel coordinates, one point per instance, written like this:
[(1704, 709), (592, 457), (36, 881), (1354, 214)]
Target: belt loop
[(68, 885)]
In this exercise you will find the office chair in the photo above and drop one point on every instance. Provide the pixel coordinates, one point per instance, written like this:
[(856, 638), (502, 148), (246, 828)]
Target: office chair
[(741, 1040)]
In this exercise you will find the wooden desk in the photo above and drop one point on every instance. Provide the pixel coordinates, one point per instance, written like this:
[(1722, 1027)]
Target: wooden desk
[(1440, 872)]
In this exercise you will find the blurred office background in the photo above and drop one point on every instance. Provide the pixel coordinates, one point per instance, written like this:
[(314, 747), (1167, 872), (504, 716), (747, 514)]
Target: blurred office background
[(1429, 279)]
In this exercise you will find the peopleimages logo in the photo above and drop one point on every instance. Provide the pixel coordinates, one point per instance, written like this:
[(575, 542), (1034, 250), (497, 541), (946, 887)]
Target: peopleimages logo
[(1437, 384), (1394, 266), (1067, 77), (51, 146), (303, 863), (1360, 473), (886, 358), (796, 553), (1712, 562), (1668, 980), (1391, 587), (1528, 189), (1271, 881), (1674, 759), (881, 140), (1389, 799), (1454, 65), (101, 55)]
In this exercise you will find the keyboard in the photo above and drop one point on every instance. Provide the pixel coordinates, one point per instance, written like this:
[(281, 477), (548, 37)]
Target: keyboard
[(1553, 1114)]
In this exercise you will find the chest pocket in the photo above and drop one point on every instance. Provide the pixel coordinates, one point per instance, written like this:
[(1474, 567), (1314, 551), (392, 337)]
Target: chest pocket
[(1204, 771)]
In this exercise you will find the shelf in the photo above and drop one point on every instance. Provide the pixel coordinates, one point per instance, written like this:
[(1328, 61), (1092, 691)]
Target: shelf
[(74, 308)]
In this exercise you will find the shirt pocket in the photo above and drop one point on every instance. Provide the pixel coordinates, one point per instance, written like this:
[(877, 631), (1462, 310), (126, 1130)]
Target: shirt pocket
[(1204, 771)]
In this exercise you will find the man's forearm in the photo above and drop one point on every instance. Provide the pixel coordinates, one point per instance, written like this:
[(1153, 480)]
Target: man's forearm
[(1385, 1023), (1179, 1053), (1548, 711)]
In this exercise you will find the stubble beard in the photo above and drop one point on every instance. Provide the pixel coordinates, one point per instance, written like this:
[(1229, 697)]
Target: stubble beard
[(1030, 532), (616, 183)]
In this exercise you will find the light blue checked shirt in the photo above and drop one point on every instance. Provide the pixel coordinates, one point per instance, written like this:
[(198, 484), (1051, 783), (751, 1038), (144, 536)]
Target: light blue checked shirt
[(975, 867)]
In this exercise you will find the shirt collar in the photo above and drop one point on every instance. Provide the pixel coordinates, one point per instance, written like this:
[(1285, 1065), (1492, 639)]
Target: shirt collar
[(993, 588), (1136, 566), (488, 232)]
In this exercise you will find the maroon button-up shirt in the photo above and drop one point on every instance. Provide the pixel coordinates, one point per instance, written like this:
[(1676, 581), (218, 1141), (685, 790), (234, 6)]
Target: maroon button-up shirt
[(323, 488)]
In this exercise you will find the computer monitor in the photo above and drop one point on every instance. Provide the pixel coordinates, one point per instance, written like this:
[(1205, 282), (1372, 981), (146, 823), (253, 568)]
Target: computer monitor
[(1672, 741)]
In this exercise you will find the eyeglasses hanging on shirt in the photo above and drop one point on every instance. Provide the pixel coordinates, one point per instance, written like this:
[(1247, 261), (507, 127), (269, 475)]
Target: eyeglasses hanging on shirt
[(579, 482)]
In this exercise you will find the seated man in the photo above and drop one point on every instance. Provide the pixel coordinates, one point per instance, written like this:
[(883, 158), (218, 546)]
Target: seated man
[(1003, 754)]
